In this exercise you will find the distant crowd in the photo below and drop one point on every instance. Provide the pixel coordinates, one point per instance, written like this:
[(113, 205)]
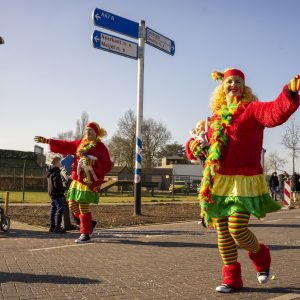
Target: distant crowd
[(276, 184)]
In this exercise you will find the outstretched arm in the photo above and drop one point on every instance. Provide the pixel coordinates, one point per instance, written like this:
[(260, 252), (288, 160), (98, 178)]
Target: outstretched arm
[(41, 139), (58, 146), (271, 114)]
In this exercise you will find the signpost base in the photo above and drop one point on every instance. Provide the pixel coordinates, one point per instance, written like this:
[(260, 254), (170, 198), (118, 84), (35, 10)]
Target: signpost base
[(137, 199)]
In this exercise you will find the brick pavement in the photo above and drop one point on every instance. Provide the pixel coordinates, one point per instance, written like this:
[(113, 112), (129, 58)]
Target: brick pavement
[(167, 261)]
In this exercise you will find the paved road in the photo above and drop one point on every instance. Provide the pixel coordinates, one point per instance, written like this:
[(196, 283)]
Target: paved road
[(169, 261)]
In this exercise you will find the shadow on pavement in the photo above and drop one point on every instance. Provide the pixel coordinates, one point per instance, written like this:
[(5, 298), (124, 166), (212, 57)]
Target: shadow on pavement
[(187, 245), (283, 247), (100, 233), (275, 225), (279, 290), (160, 244), (33, 278), (147, 232), (25, 233)]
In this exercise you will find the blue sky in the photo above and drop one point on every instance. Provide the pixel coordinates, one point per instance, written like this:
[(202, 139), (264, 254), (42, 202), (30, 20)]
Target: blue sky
[(50, 73)]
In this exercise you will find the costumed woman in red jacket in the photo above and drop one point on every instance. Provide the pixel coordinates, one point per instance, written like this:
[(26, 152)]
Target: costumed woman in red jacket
[(233, 185), (88, 152)]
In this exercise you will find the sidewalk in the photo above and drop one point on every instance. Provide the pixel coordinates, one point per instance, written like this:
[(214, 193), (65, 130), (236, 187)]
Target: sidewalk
[(169, 261)]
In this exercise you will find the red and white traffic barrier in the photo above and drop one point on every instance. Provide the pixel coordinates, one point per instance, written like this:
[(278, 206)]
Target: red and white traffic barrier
[(287, 194)]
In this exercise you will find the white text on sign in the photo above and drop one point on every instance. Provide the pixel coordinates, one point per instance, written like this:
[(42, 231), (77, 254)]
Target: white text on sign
[(105, 15)]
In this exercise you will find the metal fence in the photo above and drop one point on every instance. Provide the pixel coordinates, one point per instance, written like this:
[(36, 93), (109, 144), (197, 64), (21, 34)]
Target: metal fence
[(19, 179), (28, 178)]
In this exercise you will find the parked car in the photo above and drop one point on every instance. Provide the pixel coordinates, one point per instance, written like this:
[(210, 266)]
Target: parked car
[(194, 186), (178, 186)]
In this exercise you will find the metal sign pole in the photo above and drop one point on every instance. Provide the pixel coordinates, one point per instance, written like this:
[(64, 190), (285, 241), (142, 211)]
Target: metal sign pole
[(139, 121), (107, 42)]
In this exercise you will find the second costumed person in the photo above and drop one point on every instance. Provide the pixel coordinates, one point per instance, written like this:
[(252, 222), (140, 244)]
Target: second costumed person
[(90, 155), (233, 186)]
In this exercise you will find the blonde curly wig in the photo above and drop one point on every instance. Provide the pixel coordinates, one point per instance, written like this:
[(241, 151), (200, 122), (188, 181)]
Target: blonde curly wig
[(218, 98)]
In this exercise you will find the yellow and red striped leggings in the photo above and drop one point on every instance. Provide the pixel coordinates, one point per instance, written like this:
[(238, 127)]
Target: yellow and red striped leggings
[(233, 230), (79, 208)]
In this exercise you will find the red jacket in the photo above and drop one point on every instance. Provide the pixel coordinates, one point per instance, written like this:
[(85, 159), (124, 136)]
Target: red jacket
[(242, 154), (101, 167)]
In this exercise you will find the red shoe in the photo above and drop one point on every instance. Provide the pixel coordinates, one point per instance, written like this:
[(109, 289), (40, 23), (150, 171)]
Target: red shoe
[(232, 278), (262, 262)]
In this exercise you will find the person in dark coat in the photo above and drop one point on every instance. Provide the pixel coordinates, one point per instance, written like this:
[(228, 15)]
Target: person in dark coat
[(295, 185), (281, 186), (56, 192), (274, 185)]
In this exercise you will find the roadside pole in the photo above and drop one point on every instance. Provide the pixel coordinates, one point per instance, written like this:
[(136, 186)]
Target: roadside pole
[(6, 203), (120, 46), (23, 182), (173, 174), (287, 194), (139, 121)]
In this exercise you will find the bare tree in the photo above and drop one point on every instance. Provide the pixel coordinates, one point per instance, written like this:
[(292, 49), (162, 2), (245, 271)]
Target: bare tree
[(80, 125), (122, 144), (291, 139), (66, 135), (155, 136), (274, 163)]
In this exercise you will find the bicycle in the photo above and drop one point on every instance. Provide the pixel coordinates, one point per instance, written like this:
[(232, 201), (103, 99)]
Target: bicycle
[(4, 221)]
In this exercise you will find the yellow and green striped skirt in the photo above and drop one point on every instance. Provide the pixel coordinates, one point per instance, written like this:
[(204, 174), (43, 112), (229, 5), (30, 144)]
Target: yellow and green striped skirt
[(239, 193), (82, 193)]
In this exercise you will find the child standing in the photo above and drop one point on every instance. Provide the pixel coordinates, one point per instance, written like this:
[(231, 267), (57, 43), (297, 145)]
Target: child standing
[(56, 193)]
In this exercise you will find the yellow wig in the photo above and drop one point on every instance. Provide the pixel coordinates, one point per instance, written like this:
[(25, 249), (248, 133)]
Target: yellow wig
[(218, 98)]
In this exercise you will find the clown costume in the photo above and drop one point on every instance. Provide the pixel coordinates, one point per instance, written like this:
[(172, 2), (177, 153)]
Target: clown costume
[(233, 186)]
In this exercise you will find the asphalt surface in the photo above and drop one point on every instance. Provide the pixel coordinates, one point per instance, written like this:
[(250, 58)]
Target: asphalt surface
[(166, 261)]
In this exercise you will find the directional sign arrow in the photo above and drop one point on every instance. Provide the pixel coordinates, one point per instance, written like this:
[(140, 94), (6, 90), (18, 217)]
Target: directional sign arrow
[(115, 23), (159, 41), (97, 16), (114, 44), (97, 38), (173, 47)]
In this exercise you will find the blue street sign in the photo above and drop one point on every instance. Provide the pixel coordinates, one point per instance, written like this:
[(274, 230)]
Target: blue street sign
[(159, 41), (115, 23), (111, 43)]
